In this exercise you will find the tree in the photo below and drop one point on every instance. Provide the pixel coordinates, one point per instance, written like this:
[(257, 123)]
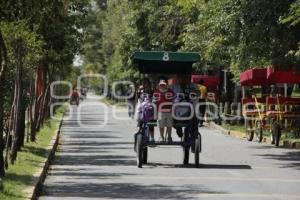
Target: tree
[(293, 20), (43, 33), (23, 44), (114, 33), (3, 67), (242, 34)]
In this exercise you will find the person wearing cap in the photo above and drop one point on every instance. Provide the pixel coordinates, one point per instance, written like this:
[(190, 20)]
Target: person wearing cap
[(163, 97)]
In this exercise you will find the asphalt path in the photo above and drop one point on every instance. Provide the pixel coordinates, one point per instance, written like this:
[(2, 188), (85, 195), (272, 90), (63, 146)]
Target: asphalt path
[(95, 160)]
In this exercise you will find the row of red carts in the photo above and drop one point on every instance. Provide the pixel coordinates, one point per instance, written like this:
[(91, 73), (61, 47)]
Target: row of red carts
[(269, 106)]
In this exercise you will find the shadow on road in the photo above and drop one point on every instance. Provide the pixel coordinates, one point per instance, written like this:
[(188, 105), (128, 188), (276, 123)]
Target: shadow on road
[(72, 131), (95, 143), (82, 123), (289, 159), (85, 174), (90, 135), (262, 146), (202, 166), (224, 166), (126, 191), (92, 148), (98, 160)]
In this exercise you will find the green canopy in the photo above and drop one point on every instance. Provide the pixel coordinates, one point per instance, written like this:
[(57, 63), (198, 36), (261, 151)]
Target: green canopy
[(161, 62)]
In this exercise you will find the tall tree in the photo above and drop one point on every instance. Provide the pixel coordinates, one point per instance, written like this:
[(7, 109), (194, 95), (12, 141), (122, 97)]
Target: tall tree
[(51, 33), (17, 103), (3, 67)]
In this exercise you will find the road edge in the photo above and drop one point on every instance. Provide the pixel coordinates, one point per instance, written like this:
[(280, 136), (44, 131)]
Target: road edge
[(225, 131), (32, 191), (285, 143)]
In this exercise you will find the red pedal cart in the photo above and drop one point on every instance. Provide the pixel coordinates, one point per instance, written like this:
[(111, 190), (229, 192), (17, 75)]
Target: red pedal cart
[(272, 111), (253, 102), (282, 108)]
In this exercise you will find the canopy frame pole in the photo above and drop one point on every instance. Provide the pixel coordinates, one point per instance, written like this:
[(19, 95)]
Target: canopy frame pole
[(285, 107)]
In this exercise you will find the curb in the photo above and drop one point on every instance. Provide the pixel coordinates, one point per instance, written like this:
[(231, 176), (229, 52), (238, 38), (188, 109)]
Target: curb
[(34, 189), (285, 143), (226, 131)]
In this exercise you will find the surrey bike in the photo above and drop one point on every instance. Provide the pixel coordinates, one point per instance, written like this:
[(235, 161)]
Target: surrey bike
[(169, 63)]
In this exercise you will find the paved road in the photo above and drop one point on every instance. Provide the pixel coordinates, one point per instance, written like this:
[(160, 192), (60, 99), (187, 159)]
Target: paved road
[(98, 162)]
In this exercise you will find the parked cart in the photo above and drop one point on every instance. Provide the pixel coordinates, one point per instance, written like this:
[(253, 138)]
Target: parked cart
[(273, 109), (282, 108), (253, 102)]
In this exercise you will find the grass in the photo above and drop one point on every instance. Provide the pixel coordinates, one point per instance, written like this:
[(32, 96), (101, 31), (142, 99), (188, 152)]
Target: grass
[(19, 175), (289, 137), (235, 130), (239, 130)]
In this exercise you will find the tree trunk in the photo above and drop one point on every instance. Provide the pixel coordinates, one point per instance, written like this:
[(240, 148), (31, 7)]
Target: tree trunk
[(35, 107), (18, 98), (35, 115), (3, 63), (21, 125), (45, 105), (39, 122), (43, 99), (30, 109), (9, 135)]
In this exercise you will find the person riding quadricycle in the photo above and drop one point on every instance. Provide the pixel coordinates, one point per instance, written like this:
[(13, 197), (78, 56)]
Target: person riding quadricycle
[(74, 98), (172, 105)]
